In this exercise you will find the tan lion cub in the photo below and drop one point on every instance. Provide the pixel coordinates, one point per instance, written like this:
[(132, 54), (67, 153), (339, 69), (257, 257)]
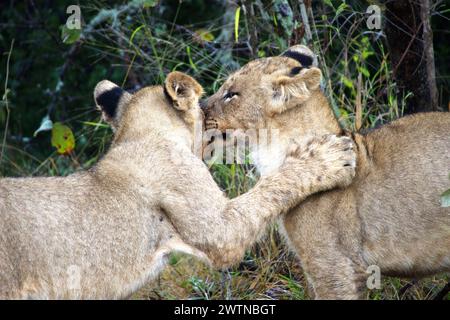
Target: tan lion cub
[(388, 219), (106, 231)]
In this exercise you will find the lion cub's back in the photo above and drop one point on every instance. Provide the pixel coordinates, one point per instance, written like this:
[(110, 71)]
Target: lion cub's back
[(407, 168), (418, 142), (399, 197)]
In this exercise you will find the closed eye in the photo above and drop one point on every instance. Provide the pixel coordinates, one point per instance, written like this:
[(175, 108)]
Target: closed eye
[(229, 95)]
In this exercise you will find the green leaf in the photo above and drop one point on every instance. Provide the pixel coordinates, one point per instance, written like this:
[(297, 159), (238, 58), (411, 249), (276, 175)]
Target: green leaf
[(69, 36), (134, 33), (364, 71), (341, 8), (445, 199), (95, 124), (392, 100), (275, 21), (62, 138), (204, 35), (191, 62), (328, 2), (144, 3), (46, 125), (365, 54), (344, 113), (347, 82), (236, 23)]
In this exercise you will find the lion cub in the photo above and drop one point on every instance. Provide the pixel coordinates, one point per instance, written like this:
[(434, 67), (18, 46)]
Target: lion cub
[(106, 231), (389, 217)]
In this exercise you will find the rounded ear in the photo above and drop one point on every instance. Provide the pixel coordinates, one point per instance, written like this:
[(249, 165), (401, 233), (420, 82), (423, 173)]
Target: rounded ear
[(291, 90), (110, 99), (312, 78), (183, 90), (304, 55)]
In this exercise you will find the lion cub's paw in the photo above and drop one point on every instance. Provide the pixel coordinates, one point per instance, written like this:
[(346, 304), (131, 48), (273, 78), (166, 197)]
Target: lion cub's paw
[(330, 160)]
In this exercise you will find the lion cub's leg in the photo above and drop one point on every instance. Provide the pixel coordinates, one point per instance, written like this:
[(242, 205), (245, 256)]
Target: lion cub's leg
[(330, 273), (333, 267), (333, 276)]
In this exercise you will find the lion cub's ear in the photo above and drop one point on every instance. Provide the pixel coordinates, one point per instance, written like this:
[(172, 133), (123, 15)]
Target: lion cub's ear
[(298, 85), (111, 100), (292, 90), (304, 55), (293, 86), (183, 90)]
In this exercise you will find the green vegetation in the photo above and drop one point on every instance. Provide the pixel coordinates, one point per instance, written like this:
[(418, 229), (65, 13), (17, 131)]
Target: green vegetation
[(48, 73)]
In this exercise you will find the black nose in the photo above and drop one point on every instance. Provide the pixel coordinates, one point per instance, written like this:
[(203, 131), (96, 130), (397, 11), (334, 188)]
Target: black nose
[(203, 104)]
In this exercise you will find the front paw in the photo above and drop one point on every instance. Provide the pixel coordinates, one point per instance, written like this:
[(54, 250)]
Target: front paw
[(330, 160)]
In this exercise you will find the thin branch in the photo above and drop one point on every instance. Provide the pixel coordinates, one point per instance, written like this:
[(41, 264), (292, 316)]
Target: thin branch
[(358, 113), (305, 20), (5, 100), (427, 36)]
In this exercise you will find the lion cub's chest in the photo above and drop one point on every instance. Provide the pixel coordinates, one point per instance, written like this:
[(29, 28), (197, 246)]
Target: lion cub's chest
[(268, 158)]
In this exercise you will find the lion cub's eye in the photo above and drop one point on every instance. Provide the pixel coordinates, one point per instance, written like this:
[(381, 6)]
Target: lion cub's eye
[(229, 95)]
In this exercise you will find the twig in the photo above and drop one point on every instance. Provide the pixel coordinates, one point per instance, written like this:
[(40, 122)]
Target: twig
[(406, 287), (358, 113), (394, 70), (249, 12), (5, 99), (427, 36), (305, 20)]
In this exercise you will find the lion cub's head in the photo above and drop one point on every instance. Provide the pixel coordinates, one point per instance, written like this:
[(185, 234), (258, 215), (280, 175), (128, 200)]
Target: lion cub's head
[(263, 89), (172, 108)]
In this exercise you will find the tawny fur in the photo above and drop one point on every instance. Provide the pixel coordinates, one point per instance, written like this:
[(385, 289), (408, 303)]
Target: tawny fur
[(390, 216), (104, 232)]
